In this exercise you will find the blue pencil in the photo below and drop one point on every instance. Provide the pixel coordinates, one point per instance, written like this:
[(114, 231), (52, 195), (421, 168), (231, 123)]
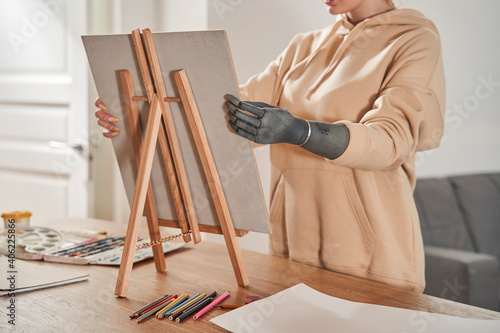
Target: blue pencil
[(192, 310), (182, 304), (199, 301)]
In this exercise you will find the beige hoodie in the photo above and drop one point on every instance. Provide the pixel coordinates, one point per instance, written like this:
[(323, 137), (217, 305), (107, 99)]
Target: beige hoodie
[(384, 79)]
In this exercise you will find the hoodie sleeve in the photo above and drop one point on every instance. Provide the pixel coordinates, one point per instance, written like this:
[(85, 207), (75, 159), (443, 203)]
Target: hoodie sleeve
[(407, 116), (261, 87)]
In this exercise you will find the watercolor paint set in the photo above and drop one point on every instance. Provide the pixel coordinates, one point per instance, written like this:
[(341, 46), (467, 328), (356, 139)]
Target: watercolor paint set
[(106, 251)]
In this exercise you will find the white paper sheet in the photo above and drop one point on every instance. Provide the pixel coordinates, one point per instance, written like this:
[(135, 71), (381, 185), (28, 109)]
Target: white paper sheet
[(303, 309), (33, 275)]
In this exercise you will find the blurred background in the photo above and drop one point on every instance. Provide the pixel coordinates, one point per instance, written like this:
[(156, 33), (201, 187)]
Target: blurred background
[(54, 161)]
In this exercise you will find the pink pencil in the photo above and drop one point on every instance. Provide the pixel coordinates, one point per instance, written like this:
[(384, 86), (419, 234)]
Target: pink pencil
[(211, 305)]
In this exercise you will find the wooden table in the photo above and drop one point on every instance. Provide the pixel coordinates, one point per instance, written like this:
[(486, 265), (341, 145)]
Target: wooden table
[(91, 306)]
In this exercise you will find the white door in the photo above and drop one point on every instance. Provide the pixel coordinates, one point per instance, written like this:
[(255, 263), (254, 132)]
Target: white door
[(43, 108)]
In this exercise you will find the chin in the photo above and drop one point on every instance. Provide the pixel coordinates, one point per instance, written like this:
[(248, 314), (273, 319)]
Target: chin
[(333, 11), (334, 8)]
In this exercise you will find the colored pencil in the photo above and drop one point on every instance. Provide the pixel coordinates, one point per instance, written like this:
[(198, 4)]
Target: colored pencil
[(164, 311), (178, 311), (167, 306), (163, 302), (193, 310), (212, 295), (153, 310), (211, 305), (133, 315), (178, 301), (169, 312), (204, 302)]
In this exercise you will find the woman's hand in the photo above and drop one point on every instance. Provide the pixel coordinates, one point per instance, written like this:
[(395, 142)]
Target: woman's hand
[(264, 123), (106, 120)]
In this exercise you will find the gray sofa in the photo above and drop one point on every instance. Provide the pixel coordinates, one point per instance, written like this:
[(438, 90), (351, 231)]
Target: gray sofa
[(460, 222)]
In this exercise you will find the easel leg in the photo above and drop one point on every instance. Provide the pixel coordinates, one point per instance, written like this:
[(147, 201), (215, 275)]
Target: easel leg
[(141, 187), (213, 179), (136, 133), (154, 232)]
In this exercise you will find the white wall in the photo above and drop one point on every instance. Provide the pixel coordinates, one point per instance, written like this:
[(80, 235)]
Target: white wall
[(471, 51)]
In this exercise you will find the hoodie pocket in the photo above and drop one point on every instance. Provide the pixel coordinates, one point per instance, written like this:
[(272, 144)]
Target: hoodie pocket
[(325, 221)]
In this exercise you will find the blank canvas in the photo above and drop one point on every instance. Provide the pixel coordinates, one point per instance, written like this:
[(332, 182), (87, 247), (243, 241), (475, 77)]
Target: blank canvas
[(205, 57)]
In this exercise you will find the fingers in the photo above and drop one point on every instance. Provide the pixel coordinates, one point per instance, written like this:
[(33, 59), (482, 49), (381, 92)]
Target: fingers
[(109, 134), (106, 120), (232, 99), (107, 125), (241, 121), (101, 115), (241, 132), (100, 104), (259, 112), (243, 125), (254, 121), (260, 104), (231, 107), (233, 103)]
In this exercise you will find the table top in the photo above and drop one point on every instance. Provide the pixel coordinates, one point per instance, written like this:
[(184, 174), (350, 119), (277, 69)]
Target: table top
[(91, 305)]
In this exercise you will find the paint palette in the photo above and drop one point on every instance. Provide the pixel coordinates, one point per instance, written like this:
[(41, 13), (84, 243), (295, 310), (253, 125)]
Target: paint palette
[(40, 239), (31, 242)]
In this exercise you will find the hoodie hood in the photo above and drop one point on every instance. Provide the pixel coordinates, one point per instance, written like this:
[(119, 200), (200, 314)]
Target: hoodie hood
[(397, 20), (393, 17)]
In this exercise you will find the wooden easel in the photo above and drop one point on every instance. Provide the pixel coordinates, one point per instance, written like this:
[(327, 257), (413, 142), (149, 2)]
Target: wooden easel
[(160, 128)]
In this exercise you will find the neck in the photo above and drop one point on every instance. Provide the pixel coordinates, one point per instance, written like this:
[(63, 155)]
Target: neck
[(368, 9)]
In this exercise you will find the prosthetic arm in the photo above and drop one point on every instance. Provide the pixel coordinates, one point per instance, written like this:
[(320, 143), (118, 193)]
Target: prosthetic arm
[(264, 123)]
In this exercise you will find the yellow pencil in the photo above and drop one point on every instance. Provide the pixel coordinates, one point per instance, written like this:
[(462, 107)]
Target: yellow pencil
[(166, 305), (171, 305), (172, 315), (178, 301)]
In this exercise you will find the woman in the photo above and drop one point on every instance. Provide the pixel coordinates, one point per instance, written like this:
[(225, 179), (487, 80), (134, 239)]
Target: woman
[(345, 109)]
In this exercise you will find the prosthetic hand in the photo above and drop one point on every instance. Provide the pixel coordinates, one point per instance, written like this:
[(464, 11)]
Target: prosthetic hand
[(264, 123)]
